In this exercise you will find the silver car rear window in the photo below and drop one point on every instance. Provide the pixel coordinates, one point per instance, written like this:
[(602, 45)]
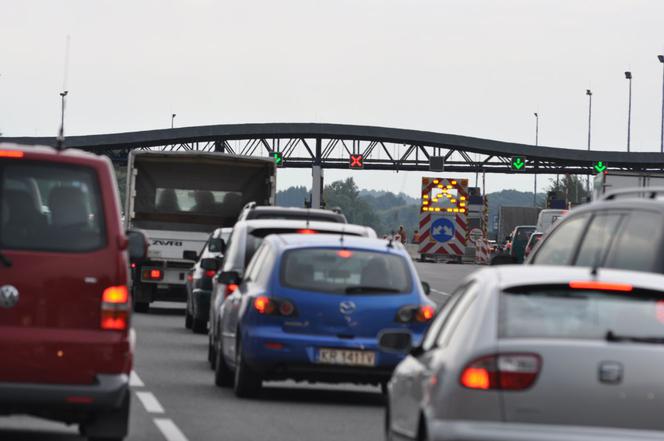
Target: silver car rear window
[(561, 312)]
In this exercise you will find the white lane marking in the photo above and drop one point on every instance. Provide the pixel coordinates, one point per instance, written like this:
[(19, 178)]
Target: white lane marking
[(150, 402), (170, 431), (135, 380), (442, 293)]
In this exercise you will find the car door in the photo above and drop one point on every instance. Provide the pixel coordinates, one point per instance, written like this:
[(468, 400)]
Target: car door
[(409, 378), (233, 306)]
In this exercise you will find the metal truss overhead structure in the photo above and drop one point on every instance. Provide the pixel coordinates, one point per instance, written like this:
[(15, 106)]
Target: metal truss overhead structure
[(304, 145)]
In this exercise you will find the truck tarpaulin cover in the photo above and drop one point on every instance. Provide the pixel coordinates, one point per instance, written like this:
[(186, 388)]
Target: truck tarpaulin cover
[(195, 195)]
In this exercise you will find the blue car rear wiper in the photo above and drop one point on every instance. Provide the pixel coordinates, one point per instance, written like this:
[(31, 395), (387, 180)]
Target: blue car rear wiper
[(357, 289), (613, 337)]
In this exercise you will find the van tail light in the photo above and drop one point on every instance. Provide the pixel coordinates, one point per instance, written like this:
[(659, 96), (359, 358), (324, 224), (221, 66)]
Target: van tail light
[(415, 314), (270, 306), (210, 273), (502, 372), (115, 308)]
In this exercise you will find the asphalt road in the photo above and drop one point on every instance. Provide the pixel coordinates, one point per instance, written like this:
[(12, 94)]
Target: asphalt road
[(174, 398)]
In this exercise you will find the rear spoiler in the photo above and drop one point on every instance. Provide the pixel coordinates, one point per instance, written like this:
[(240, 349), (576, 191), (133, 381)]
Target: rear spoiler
[(645, 192)]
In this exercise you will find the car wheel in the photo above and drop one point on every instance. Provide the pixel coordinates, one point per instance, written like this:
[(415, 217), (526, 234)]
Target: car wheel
[(223, 376), (212, 355), (199, 326), (188, 319), (108, 426), (143, 307), (247, 383)]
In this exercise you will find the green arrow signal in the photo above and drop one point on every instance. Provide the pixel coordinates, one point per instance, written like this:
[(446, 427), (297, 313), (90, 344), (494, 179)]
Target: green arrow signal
[(600, 167), (518, 163), (278, 158)]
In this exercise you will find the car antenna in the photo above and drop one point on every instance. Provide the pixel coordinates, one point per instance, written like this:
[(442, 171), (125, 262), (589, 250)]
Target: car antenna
[(390, 241), (341, 238), (60, 140)]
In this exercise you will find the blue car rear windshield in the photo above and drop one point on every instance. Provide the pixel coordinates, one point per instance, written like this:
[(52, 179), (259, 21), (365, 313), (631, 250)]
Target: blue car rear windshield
[(344, 271)]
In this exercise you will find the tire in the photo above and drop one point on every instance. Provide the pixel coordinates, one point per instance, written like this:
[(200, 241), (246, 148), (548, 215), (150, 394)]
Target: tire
[(199, 326), (112, 425), (247, 383), (142, 307), (188, 319), (389, 436), (223, 376), (212, 354)]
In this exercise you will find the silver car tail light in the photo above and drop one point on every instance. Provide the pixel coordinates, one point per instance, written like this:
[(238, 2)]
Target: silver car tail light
[(502, 372)]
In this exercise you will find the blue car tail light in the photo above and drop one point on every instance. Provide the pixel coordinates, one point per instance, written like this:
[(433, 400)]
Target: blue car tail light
[(265, 305), (415, 314)]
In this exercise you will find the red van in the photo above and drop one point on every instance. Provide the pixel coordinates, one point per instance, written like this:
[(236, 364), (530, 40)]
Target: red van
[(66, 345)]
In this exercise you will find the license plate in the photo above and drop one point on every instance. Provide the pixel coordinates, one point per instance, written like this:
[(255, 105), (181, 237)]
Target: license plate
[(346, 357)]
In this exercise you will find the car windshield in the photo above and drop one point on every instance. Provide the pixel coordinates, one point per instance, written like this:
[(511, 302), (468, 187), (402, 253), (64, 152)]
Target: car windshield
[(50, 207), (344, 271), (565, 313), (523, 233)]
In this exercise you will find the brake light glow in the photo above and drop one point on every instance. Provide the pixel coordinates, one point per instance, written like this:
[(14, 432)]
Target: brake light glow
[(17, 154), (153, 274), (476, 378), (600, 286), (345, 254), (425, 314), (306, 231), (263, 305), (502, 372), (115, 308), (210, 273), (115, 294), (230, 289)]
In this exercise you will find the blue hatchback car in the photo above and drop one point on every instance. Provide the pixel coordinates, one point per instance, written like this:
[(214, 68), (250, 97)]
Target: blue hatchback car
[(312, 307)]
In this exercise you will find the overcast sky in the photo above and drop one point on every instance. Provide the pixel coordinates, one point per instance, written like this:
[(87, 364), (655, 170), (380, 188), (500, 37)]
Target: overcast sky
[(469, 67)]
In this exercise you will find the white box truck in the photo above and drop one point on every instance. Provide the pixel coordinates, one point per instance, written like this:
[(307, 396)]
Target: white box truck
[(177, 199), (616, 180)]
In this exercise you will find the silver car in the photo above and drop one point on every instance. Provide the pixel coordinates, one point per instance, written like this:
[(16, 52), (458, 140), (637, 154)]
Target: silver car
[(536, 353)]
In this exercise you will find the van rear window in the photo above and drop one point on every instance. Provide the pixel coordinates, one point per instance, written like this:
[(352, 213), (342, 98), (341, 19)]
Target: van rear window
[(50, 207), (561, 312)]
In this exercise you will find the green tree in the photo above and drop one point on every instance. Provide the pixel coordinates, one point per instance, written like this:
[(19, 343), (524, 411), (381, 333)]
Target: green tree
[(346, 196), (571, 188)]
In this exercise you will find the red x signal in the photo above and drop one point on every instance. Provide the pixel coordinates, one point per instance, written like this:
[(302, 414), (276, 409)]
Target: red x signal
[(356, 161)]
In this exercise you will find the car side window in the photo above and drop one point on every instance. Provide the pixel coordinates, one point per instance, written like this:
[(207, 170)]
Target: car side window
[(442, 316), (252, 272), (559, 246), (265, 266), (598, 239), (456, 315), (638, 243)]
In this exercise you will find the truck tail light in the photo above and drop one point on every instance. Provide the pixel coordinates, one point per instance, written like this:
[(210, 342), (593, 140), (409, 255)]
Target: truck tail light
[(502, 372), (417, 314), (271, 306), (152, 274), (115, 308)]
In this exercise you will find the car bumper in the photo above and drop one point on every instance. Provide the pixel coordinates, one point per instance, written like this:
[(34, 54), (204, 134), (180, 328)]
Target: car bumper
[(494, 431), (297, 359), (106, 393), (200, 300)]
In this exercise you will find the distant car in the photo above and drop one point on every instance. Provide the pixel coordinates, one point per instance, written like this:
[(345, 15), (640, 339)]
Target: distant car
[(623, 230), (253, 211), (199, 281), (493, 246), (312, 308), (548, 217), (66, 344), (551, 353), (520, 237), (244, 241), (534, 240)]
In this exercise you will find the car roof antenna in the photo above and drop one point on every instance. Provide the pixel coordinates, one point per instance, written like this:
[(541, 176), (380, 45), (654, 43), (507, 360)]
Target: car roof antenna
[(60, 140), (341, 238), (390, 241)]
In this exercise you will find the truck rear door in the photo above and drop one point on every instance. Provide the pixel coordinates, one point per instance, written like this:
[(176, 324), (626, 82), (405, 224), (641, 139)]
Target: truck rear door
[(53, 230)]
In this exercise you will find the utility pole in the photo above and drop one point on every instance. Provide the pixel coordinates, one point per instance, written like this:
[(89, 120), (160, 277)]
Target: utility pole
[(536, 144), (628, 76), (590, 114), (172, 119)]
